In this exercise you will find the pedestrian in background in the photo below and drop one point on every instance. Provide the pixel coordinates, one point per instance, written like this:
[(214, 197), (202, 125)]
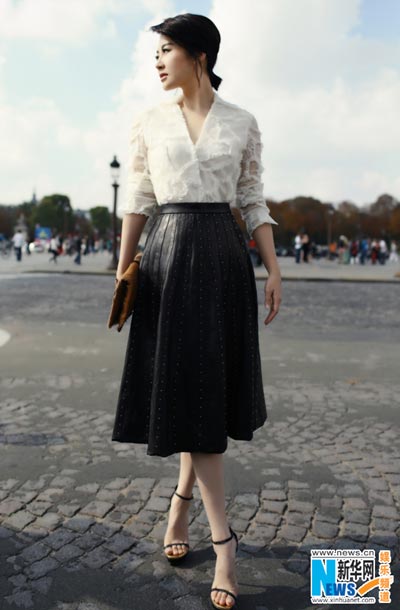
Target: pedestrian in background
[(78, 248), (297, 247), (18, 241)]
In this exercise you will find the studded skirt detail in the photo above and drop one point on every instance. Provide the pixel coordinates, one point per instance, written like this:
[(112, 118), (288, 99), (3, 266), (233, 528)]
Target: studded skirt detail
[(192, 372)]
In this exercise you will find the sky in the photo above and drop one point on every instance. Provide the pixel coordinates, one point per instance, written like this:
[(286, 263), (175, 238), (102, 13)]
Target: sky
[(322, 77)]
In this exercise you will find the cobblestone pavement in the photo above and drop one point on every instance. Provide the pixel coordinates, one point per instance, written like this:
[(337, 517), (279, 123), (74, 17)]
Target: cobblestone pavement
[(82, 518)]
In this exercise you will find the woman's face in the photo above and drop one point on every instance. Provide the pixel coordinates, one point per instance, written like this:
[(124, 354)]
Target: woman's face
[(173, 61)]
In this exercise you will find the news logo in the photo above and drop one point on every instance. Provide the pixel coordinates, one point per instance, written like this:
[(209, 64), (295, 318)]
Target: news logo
[(343, 576)]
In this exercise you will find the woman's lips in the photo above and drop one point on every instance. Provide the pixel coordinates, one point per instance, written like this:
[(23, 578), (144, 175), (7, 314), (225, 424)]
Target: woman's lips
[(163, 76)]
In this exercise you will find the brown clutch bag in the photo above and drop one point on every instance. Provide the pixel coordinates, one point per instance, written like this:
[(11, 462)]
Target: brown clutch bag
[(125, 294)]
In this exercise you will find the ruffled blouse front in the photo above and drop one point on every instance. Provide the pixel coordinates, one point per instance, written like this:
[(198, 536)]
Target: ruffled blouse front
[(165, 166)]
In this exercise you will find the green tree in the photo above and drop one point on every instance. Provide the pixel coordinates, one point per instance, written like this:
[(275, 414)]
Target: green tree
[(101, 219), (55, 211)]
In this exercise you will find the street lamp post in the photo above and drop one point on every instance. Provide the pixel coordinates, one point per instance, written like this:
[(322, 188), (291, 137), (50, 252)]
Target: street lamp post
[(114, 175)]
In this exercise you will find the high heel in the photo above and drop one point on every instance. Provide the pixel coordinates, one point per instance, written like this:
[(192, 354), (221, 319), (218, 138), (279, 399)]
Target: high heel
[(171, 557), (215, 604)]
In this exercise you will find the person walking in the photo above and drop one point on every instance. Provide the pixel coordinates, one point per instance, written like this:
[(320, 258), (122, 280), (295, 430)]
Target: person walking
[(297, 247), (53, 248), (383, 251), (18, 241), (192, 372), (393, 257), (78, 248), (305, 246)]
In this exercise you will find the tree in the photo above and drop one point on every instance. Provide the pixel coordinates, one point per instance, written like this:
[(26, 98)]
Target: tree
[(101, 219), (54, 211)]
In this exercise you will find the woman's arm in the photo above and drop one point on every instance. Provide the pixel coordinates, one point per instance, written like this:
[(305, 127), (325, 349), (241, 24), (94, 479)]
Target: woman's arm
[(140, 201), (264, 238), (255, 213), (132, 227)]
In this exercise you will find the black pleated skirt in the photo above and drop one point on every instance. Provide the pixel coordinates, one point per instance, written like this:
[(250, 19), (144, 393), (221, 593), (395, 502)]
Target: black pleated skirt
[(192, 372)]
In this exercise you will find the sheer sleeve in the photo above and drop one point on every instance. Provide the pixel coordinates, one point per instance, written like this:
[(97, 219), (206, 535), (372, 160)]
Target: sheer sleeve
[(139, 197), (249, 190)]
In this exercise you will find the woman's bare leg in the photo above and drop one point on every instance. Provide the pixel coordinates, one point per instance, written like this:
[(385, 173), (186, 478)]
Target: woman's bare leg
[(178, 520), (209, 471)]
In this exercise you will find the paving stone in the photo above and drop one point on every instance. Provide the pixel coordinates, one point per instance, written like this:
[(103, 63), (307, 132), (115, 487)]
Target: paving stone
[(35, 552), (20, 598), (388, 525), (273, 494), (335, 502), (146, 516), (68, 510), (39, 508), (5, 532), (292, 532), (25, 496), (59, 538), (293, 484), (356, 531), (158, 504), (88, 488), (79, 523), (68, 552), (355, 503), (322, 529), (97, 558), (299, 519), (119, 543), (97, 508), (268, 518), (88, 540), (105, 530), (8, 484), (42, 585), (19, 520), (301, 507), (386, 512), (48, 521), (8, 507), (19, 580), (273, 507), (118, 483), (357, 516), (41, 568)]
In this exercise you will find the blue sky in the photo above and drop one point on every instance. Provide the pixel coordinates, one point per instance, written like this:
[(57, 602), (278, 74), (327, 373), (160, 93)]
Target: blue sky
[(68, 89)]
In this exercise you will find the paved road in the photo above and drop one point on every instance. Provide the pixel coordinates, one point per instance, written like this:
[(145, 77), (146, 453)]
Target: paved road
[(314, 270), (82, 518)]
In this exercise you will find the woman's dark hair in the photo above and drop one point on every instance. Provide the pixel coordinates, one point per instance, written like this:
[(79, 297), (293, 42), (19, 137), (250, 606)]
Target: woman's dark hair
[(195, 33)]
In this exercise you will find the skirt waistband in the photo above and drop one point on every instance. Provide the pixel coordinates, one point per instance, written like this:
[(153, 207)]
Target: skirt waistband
[(190, 206)]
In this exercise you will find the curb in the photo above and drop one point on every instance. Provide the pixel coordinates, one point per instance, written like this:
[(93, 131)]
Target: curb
[(285, 278)]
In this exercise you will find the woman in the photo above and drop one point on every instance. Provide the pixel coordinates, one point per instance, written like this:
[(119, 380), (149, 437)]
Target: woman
[(192, 372)]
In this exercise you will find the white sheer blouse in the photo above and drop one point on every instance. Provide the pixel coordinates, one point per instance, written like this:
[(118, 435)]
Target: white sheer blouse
[(165, 166)]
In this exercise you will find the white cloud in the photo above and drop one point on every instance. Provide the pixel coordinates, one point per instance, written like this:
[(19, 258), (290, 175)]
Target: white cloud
[(326, 101), (60, 21)]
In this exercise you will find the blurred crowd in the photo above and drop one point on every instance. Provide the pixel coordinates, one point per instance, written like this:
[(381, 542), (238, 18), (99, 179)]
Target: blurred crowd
[(76, 246)]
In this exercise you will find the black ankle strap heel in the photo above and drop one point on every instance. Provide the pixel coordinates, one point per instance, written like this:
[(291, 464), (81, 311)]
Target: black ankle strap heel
[(215, 604), (183, 497), (233, 534)]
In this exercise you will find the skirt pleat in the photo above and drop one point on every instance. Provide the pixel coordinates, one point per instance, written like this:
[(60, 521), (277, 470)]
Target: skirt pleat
[(192, 372)]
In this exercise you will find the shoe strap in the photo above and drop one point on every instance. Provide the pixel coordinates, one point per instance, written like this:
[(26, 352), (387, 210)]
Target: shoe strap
[(183, 497), (225, 591), (226, 539)]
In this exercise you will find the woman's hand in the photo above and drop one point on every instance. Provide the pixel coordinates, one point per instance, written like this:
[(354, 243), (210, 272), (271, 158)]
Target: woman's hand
[(273, 297)]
